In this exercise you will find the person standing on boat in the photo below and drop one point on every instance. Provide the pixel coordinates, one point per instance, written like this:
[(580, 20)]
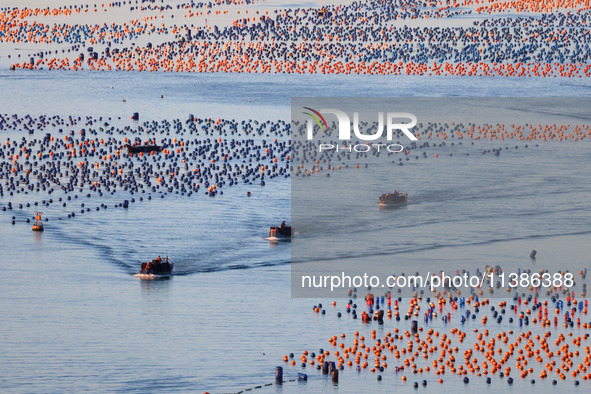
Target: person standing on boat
[(282, 224)]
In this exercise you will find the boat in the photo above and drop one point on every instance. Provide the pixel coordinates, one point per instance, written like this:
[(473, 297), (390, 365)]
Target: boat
[(143, 148), (38, 225), (395, 198), (156, 268), (323, 12), (280, 232)]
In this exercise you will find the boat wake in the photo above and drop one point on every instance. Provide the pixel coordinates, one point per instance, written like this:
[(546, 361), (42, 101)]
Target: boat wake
[(277, 239), (282, 238), (152, 276)]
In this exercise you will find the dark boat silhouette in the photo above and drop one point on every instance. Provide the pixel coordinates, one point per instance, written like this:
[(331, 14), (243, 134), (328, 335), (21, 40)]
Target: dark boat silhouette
[(395, 198), (143, 148), (156, 268), (280, 232)]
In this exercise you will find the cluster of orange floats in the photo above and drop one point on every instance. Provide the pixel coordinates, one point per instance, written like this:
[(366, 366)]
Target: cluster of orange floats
[(484, 354), (208, 61), (22, 13), (24, 32), (547, 6), (258, 57), (496, 6), (529, 132)]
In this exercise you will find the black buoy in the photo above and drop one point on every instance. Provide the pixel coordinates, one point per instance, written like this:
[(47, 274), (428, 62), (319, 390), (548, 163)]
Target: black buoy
[(279, 375), (335, 375)]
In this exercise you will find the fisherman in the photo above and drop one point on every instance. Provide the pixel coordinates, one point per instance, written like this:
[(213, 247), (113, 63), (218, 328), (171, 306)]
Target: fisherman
[(282, 224)]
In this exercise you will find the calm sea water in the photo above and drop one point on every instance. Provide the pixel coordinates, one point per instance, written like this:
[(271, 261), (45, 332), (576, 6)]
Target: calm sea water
[(463, 212), (74, 319), (468, 207), (228, 95)]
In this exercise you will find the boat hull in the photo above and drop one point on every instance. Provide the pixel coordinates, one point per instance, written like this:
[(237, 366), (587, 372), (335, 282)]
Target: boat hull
[(143, 148), (280, 232), (157, 269), (393, 199)]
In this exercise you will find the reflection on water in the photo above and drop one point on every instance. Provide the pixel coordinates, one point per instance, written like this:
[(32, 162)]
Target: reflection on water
[(38, 236), (391, 207), (156, 286)]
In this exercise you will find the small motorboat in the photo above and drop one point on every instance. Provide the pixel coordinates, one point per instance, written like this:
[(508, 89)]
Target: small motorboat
[(38, 225), (394, 199), (143, 148), (323, 12), (157, 268), (280, 232)]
